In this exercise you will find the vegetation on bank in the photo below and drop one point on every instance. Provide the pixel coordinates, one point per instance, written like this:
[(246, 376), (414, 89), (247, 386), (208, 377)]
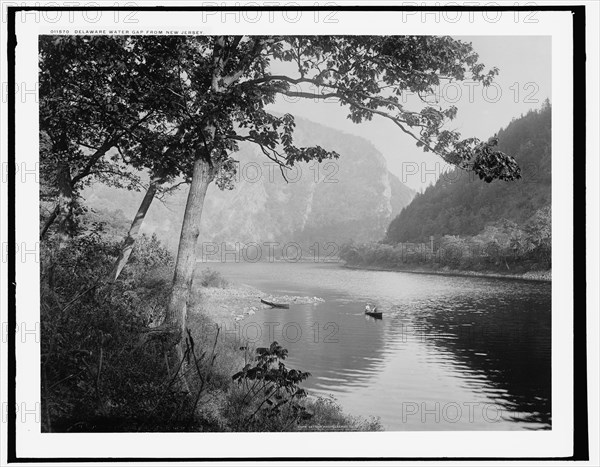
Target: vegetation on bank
[(502, 247), (99, 372)]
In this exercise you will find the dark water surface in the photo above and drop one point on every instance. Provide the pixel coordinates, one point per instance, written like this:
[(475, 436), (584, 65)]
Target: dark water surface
[(451, 353)]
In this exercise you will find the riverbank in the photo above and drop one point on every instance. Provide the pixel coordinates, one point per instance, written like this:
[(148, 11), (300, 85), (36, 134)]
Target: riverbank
[(538, 276), (216, 314), (236, 302)]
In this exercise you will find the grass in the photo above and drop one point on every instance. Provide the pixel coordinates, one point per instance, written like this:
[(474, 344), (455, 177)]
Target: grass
[(328, 415)]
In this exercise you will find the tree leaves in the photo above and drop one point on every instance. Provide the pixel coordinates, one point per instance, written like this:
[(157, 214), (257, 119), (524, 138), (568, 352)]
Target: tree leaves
[(96, 90)]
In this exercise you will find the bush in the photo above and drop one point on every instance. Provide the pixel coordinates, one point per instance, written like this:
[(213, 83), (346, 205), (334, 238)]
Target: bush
[(503, 246), (210, 278), (94, 375), (268, 395)]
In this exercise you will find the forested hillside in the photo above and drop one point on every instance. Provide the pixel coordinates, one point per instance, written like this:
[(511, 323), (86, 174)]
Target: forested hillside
[(461, 204)]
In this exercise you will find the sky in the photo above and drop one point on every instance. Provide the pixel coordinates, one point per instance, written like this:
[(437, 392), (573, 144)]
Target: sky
[(523, 83)]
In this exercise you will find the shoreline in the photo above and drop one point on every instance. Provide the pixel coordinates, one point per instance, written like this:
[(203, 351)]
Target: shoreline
[(535, 276), (231, 306), (238, 301), (228, 307)]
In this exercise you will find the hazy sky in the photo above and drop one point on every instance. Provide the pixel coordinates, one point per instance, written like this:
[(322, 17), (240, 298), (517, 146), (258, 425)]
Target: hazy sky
[(523, 83)]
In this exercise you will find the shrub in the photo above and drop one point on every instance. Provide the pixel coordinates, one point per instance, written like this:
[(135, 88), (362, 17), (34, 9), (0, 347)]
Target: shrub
[(268, 394), (210, 278), (94, 375), (501, 246)]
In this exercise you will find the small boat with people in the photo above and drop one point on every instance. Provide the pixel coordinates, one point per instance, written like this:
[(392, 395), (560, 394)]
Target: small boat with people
[(371, 310)]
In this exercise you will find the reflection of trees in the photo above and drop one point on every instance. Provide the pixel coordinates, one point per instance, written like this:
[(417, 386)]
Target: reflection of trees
[(508, 341)]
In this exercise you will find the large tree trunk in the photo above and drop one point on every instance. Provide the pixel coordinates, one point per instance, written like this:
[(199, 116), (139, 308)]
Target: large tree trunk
[(134, 231), (203, 174), (175, 318)]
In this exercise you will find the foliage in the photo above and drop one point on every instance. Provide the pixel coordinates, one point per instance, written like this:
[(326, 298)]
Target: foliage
[(538, 233), (93, 376), (210, 278), (99, 97), (459, 204), (329, 416), (270, 395), (503, 246), (103, 92), (163, 101), (188, 101), (112, 223), (173, 106)]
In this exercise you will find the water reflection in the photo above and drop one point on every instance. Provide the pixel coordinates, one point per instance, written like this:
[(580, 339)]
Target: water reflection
[(451, 352), (502, 347), (334, 341)]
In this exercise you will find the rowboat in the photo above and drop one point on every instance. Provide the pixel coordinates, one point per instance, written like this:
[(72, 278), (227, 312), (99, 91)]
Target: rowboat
[(275, 305), (372, 311), (375, 314)]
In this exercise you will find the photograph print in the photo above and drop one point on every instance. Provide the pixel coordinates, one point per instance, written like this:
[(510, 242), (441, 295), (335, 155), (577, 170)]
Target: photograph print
[(295, 233), (312, 234)]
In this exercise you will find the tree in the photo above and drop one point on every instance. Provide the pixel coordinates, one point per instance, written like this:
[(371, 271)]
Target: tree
[(133, 232), (106, 114), (179, 106), (100, 97), (231, 83), (538, 233)]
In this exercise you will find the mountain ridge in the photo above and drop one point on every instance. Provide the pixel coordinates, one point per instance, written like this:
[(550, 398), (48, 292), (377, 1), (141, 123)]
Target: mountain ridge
[(351, 198), (459, 204)]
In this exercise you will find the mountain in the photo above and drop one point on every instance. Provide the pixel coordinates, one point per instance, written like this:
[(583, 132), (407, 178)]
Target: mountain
[(460, 204), (351, 198)]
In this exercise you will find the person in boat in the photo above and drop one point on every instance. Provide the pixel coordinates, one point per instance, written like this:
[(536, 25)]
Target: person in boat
[(370, 308)]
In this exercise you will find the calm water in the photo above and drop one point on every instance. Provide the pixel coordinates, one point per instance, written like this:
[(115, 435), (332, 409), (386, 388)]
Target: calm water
[(451, 353)]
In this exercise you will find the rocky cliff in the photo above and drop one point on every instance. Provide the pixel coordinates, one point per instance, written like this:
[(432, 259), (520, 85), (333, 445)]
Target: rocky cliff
[(354, 197)]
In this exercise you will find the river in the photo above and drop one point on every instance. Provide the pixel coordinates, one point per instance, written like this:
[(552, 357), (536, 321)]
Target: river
[(451, 353)]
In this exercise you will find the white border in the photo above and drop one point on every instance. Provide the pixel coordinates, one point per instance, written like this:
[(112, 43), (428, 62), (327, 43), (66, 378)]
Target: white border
[(557, 442)]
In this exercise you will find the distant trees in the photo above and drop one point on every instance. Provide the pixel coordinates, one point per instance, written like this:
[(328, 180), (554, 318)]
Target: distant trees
[(459, 204), (502, 246), (179, 106)]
